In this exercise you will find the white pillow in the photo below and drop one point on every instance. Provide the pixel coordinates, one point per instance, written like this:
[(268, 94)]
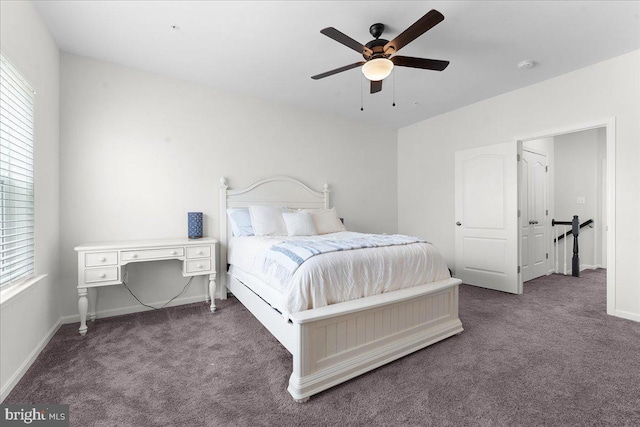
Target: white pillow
[(326, 220), (299, 224), (240, 221), (267, 220)]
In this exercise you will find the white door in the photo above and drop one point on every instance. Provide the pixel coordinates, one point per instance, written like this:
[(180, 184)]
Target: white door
[(533, 208), (486, 185)]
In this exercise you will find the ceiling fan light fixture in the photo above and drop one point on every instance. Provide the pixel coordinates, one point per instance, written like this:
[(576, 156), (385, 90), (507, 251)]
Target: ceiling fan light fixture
[(377, 69)]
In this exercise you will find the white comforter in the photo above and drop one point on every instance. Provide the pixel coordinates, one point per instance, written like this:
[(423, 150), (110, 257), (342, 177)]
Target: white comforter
[(341, 276)]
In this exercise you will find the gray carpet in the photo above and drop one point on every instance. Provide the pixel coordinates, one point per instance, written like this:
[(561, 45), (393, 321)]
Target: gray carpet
[(548, 357)]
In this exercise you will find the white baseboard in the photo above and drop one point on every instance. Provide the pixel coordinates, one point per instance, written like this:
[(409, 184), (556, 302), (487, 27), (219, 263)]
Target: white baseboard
[(627, 315), (17, 376), (135, 308), (582, 267)]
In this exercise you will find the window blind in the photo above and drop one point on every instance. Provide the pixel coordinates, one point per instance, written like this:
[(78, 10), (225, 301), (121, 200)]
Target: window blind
[(16, 175)]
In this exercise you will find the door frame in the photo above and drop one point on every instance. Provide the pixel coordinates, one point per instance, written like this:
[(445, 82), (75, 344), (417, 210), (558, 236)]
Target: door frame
[(610, 127)]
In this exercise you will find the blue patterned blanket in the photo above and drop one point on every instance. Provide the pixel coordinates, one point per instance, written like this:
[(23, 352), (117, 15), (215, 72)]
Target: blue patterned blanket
[(283, 259)]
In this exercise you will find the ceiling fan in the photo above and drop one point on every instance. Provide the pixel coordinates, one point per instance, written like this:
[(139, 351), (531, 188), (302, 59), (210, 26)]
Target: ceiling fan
[(378, 52)]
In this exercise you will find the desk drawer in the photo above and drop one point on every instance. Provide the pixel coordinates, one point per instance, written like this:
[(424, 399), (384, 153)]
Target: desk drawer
[(148, 254), (100, 258), (198, 265), (101, 274), (199, 252)]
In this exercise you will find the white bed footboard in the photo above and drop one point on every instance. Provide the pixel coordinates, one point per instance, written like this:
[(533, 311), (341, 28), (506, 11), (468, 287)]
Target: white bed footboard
[(335, 343), (341, 341)]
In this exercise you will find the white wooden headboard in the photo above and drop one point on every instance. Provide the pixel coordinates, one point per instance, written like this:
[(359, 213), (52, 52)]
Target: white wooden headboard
[(272, 191)]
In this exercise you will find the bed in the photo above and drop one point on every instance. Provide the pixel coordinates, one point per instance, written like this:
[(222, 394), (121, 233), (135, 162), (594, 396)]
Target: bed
[(333, 343)]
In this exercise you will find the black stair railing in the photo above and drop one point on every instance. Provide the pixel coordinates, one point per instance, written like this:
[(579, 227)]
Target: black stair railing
[(570, 232), (575, 230)]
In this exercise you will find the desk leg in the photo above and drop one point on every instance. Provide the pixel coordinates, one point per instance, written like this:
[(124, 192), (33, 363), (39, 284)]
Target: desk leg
[(83, 305), (212, 291), (93, 300), (206, 291)]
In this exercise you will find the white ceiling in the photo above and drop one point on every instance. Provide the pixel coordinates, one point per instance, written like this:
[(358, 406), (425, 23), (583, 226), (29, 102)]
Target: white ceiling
[(271, 49)]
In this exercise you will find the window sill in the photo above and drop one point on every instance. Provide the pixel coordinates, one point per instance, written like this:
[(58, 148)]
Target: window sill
[(12, 291)]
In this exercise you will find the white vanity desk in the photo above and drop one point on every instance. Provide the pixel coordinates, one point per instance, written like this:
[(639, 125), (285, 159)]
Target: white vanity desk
[(104, 264)]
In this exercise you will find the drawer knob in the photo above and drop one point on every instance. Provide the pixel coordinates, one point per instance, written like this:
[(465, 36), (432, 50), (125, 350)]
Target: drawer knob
[(102, 259), (103, 275), (200, 252), (134, 255), (199, 265), (173, 252)]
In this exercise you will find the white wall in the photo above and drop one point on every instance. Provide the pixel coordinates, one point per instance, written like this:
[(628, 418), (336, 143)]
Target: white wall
[(579, 173), (29, 319), (601, 91), (139, 151)]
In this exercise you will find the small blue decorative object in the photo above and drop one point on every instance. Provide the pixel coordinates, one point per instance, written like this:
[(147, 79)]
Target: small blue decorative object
[(195, 225)]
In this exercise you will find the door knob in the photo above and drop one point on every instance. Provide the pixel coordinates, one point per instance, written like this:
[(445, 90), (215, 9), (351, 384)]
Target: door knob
[(458, 223)]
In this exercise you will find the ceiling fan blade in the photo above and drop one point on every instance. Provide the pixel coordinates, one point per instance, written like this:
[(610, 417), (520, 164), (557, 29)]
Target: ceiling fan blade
[(376, 86), (425, 64), (346, 40), (421, 26), (337, 70)]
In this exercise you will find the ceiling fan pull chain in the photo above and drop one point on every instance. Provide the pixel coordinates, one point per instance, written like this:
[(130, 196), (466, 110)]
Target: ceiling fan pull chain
[(361, 97), (394, 89)]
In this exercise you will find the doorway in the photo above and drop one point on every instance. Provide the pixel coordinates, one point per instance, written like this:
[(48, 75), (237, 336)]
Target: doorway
[(593, 161), (488, 211)]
